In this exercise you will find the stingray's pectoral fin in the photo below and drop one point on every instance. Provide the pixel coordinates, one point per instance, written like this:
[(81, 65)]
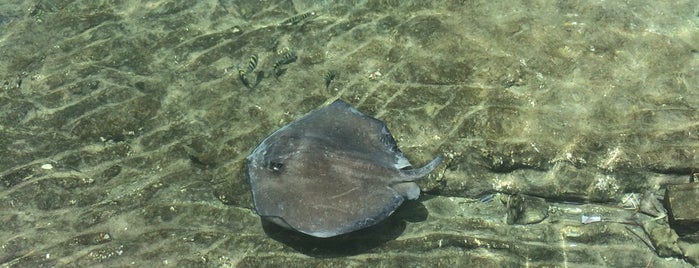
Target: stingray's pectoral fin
[(414, 174), (278, 221), (409, 190)]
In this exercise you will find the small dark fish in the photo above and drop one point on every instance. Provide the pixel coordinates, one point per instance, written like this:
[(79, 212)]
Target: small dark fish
[(283, 59), (329, 77), (243, 73), (297, 18), (488, 198), (244, 77), (253, 63)]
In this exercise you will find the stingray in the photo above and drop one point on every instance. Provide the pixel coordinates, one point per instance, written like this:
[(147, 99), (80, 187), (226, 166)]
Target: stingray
[(331, 172)]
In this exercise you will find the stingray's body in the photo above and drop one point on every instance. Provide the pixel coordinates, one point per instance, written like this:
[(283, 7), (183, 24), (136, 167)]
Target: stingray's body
[(331, 172)]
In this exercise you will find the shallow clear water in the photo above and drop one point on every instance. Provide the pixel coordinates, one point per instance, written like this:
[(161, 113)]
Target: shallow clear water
[(124, 127)]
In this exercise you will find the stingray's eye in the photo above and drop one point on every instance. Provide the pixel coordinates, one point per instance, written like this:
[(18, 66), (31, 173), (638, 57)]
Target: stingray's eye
[(276, 167)]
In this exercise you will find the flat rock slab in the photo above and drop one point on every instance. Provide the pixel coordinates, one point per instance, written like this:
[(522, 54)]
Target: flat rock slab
[(683, 204)]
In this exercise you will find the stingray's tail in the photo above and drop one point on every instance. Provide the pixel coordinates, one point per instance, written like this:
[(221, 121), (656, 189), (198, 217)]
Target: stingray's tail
[(414, 174)]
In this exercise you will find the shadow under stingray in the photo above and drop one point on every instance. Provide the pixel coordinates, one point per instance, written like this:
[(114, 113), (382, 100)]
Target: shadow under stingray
[(353, 243)]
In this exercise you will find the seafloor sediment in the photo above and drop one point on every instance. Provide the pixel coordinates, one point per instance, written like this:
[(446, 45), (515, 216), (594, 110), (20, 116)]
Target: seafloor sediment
[(124, 128)]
